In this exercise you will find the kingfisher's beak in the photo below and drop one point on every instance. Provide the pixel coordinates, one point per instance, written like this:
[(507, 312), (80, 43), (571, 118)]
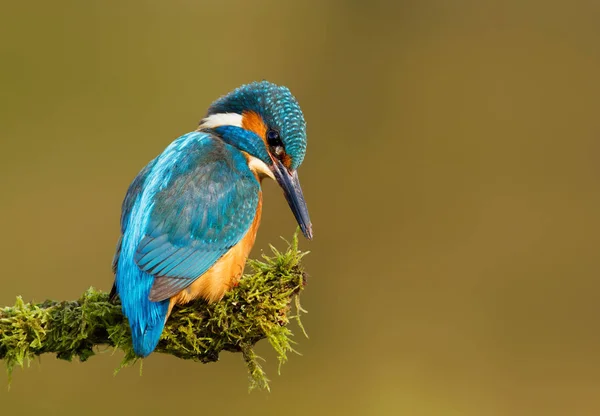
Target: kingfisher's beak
[(293, 193)]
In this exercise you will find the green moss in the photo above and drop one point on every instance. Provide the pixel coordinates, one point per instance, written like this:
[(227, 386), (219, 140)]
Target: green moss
[(260, 307)]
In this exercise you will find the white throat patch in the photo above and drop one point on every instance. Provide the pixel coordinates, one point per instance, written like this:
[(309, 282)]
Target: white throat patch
[(257, 165)]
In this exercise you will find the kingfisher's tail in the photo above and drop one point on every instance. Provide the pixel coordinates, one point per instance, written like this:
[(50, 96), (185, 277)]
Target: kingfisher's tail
[(145, 337), (146, 318)]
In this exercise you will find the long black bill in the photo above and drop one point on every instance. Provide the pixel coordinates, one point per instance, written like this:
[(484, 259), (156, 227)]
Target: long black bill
[(293, 193)]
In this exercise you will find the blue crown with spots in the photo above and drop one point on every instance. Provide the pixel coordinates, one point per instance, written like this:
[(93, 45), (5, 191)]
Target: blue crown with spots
[(278, 108)]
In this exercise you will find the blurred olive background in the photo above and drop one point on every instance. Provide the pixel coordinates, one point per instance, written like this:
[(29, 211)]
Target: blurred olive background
[(451, 176)]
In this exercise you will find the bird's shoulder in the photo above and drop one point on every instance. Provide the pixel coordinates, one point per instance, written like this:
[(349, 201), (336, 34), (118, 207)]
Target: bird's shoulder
[(194, 160), (203, 157)]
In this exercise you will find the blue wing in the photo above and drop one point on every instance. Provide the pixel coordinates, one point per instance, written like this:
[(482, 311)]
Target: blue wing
[(183, 212), (204, 204)]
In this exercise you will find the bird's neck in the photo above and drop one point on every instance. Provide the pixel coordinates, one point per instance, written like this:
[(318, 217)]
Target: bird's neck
[(244, 140)]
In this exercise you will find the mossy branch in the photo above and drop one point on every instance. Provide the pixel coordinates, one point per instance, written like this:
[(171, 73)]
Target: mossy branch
[(260, 307)]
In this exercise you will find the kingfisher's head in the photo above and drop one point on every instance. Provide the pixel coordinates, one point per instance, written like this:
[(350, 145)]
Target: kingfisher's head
[(264, 120)]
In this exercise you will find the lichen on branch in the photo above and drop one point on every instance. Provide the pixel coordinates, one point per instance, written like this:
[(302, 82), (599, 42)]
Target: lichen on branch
[(260, 307)]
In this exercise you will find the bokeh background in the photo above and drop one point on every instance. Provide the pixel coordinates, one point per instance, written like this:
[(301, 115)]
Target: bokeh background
[(451, 175)]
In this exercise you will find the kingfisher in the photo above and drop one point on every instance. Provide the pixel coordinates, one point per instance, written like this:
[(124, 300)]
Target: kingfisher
[(190, 217)]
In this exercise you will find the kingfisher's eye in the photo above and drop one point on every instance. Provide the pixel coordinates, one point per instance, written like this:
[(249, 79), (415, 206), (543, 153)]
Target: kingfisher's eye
[(275, 143), (273, 138)]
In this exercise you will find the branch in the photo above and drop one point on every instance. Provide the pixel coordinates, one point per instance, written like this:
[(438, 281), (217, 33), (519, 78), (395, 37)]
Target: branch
[(258, 308)]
